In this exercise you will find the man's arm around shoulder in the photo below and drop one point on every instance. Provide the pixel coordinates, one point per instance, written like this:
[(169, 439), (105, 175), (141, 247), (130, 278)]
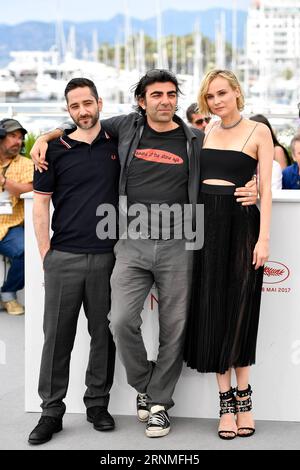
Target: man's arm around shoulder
[(40, 147), (116, 124)]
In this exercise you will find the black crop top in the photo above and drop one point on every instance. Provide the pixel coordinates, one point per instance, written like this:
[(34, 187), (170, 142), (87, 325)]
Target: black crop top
[(229, 165)]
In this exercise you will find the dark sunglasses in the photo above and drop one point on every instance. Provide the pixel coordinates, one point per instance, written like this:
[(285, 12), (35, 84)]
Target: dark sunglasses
[(201, 121)]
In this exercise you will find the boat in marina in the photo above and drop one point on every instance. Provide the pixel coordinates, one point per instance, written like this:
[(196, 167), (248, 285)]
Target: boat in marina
[(9, 88), (36, 80)]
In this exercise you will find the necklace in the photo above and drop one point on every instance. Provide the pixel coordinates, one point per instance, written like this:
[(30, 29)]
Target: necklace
[(231, 126)]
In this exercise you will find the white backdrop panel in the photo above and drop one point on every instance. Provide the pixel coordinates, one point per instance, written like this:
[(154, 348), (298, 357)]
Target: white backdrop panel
[(276, 375)]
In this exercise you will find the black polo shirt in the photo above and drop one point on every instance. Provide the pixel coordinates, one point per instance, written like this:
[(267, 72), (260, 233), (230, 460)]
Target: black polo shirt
[(80, 178)]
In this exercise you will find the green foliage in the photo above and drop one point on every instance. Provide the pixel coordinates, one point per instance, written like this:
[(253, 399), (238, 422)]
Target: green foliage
[(287, 74), (185, 52), (28, 144)]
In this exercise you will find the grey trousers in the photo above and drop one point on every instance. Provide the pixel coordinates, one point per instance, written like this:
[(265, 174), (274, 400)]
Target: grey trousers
[(70, 281), (139, 263)]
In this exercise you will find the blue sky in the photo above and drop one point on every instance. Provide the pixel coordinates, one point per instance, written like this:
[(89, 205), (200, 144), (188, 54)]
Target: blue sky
[(17, 11)]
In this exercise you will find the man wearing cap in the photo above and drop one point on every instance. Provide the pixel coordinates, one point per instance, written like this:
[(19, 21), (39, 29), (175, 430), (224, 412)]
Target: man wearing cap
[(16, 176)]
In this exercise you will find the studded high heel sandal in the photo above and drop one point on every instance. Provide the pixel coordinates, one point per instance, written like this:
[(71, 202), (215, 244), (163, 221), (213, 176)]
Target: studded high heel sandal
[(242, 406), (227, 405)]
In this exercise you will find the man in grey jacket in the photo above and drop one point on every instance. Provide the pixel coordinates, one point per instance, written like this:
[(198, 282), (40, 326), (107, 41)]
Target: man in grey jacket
[(159, 156)]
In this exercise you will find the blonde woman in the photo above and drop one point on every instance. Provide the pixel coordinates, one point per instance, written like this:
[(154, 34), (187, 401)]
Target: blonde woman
[(228, 271)]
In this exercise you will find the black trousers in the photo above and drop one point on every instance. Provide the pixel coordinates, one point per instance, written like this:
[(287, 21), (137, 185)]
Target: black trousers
[(70, 281)]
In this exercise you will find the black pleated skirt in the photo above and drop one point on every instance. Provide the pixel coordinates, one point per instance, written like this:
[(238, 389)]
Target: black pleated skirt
[(226, 292)]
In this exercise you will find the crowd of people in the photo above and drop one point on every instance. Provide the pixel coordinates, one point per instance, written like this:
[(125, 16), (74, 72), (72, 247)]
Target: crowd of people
[(151, 158)]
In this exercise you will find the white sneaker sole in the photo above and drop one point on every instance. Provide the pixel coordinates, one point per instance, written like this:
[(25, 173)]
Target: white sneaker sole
[(157, 432), (143, 420)]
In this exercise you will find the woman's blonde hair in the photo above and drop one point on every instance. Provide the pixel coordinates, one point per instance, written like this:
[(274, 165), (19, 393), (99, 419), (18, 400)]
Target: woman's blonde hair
[(209, 77)]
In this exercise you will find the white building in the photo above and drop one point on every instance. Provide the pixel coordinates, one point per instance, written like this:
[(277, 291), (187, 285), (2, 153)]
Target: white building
[(273, 48)]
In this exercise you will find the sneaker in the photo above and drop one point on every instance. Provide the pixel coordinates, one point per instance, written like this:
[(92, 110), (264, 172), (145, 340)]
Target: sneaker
[(159, 422), (13, 307), (142, 407)]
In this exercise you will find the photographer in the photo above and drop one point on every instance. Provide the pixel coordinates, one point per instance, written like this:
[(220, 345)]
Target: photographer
[(16, 176)]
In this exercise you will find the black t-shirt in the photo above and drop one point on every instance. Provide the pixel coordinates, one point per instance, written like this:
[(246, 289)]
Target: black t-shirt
[(159, 172), (80, 178)]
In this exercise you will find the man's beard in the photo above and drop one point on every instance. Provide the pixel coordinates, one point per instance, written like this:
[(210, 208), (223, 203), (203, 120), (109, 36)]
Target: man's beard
[(11, 153), (93, 121)]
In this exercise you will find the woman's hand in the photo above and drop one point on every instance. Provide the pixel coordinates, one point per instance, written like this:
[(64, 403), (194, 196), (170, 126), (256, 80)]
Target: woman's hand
[(261, 253)]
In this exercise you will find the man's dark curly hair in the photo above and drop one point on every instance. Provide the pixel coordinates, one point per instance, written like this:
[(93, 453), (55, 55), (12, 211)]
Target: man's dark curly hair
[(152, 76), (81, 83)]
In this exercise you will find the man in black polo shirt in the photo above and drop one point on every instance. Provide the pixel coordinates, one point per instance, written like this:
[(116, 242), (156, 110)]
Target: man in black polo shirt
[(83, 174)]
